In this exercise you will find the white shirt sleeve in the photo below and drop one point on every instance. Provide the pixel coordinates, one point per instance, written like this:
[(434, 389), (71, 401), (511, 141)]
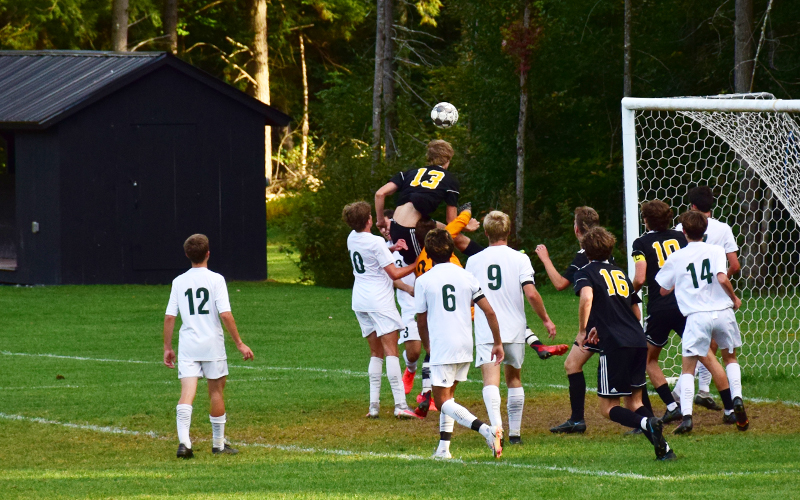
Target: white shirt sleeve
[(172, 305), (526, 272), (475, 287), (666, 276), (383, 255), (419, 298), (729, 242), (221, 298), (719, 262)]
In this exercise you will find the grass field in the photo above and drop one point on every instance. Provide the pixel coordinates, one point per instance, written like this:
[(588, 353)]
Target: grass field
[(87, 410)]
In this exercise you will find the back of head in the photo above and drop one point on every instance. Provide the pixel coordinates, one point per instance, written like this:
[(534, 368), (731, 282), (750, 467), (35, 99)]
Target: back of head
[(694, 224), (658, 215), (598, 243), (196, 248), (497, 226), (586, 218), (702, 197), (356, 215), (439, 152), (439, 245), (423, 227)]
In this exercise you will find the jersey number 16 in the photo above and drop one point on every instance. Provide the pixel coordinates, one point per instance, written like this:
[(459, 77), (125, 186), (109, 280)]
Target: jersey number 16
[(616, 282)]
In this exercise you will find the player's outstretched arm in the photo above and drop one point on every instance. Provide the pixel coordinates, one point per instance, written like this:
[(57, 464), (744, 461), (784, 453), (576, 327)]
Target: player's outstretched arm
[(388, 189), (422, 328), (536, 302), (494, 326), (230, 325), (728, 287), (584, 309), (640, 275), (169, 354), (560, 282), (397, 273), (404, 287)]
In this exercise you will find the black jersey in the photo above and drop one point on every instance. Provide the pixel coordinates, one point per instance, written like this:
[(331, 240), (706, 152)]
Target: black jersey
[(426, 188), (611, 313), (654, 248), (578, 262)]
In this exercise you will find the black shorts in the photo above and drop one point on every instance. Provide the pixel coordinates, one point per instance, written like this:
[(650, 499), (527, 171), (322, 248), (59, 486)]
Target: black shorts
[(659, 324), (397, 233), (620, 371), (589, 347)]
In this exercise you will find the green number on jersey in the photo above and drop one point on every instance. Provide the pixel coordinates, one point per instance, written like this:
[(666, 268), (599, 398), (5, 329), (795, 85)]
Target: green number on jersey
[(705, 272), (200, 291), (495, 277), (358, 263), (448, 298)]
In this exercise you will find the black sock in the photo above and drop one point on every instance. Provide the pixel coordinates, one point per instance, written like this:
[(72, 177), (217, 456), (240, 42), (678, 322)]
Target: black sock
[(476, 425), (624, 416), (727, 401), (644, 412), (472, 249), (665, 394), (646, 399), (577, 395), (445, 436)]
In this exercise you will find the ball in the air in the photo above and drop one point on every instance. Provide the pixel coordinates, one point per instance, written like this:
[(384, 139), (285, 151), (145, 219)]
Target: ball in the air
[(444, 115)]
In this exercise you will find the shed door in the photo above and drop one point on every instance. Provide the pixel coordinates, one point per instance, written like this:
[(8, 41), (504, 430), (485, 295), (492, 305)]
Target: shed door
[(174, 195)]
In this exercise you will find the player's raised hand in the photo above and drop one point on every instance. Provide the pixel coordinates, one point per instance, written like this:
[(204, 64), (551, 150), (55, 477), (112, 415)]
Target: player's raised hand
[(498, 354), (169, 358), (472, 225), (542, 252), (401, 245), (246, 352), (551, 328), (382, 222)]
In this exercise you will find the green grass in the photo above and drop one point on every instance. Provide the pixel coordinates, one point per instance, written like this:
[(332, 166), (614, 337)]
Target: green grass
[(307, 388)]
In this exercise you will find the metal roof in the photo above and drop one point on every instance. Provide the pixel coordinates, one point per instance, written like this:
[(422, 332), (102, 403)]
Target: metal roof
[(39, 88)]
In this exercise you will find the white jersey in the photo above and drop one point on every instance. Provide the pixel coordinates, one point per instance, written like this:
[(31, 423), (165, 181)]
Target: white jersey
[(373, 290), (692, 271), (405, 300), (199, 296), (502, 272), (446, 293), (718, 233)]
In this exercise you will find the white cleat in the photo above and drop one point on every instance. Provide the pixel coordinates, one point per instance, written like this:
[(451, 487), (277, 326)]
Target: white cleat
[(493, 440), (374, 410), (405, 413), (442, 455)]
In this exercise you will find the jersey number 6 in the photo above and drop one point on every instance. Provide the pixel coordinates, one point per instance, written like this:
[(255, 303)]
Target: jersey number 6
[(449, 298)]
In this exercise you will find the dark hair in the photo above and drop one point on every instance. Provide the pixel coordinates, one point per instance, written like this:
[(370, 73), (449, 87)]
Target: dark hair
[(439, 245), (196, 248), (702, 197), (356, 215), (424, 225), (586, 218), (388, 212), (598, 243), (694, 224), (657, 214)]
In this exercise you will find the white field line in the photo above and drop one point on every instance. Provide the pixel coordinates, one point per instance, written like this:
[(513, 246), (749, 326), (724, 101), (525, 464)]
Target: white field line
[(408, 457), (336, 371)]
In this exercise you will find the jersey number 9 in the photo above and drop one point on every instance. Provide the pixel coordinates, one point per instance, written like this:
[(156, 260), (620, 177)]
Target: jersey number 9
[(495, 277)]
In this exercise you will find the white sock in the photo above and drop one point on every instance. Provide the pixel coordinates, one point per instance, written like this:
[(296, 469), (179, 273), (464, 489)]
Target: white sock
[(676, 391), (375, 371), (445, 425), (687, 393), (734, 372), (491, 397), (643, 423), (703, 379), (218, 430), (426, 377), (395, 377), (672, 406), (412, 367), (458, 413), (184, 419), (515, 404)]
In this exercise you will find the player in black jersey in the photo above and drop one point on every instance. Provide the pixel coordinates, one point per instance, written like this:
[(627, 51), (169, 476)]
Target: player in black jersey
[(607, 301), (420, 191)]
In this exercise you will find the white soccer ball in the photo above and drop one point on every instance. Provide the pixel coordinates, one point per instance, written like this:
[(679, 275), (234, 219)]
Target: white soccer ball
[(444, 115)]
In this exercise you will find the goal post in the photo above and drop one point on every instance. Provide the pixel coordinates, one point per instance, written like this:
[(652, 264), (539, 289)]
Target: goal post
[(746, 147)]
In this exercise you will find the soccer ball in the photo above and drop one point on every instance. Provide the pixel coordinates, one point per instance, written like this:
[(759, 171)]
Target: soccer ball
[(444, 115)]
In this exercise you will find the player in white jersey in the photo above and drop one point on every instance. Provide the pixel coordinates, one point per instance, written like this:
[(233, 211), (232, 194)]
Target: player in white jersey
[(200, 296), (698, 274), (718, 233), (444, 296), (506, 278), (374, 306)]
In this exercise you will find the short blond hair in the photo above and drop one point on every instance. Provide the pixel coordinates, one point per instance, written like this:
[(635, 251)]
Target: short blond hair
[(497, 226), (439, 152)]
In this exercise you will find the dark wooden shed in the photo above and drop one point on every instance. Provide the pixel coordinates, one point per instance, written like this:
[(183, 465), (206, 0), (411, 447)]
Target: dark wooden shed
[(113, 159)]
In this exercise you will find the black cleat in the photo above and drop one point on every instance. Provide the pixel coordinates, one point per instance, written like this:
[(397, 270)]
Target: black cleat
[(655, 427), (465, 207), (707, 402), (742, 422), (668, 457), (226, 450), (685, 427), (634, 432), (672, 416), (728, 418), (184, 452), (514, 440), (570, 427)]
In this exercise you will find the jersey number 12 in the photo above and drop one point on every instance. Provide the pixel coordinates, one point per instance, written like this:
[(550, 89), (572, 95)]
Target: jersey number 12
[(202, 293)]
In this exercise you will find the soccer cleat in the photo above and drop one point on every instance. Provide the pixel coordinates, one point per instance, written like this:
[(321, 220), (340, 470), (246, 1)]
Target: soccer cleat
[(374, 410), (672, 416), (728, 418), (465, 207), (706, 401), (425, 401), (569, 427), (656, 429), (225, 450), (442, 455), (184, 452), (634, 431), (493, 440), (742, 422), (514, 440), (670, 455), (545, 351), (685, 427), (404, 413), (408, 380), (421, 397)]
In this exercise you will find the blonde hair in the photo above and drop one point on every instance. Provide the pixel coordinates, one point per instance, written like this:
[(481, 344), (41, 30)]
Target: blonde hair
[(497, 226), (439, 152)]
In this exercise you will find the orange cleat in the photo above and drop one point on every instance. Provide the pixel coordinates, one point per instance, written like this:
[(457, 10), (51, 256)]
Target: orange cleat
[(408, 380), (545, 351)]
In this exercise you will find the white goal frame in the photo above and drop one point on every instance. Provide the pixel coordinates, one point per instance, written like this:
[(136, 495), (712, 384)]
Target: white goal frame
[(732, 103)]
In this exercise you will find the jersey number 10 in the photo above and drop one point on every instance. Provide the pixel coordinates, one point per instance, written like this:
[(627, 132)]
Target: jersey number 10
[(665, 249)]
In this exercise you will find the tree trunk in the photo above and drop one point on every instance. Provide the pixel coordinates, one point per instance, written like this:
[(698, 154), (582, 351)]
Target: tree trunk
[(119, 25), (377, 86), (171, 24), (389, 111), (627, 84), (523, 115), (261, 73), (743, 46), (304, 146)]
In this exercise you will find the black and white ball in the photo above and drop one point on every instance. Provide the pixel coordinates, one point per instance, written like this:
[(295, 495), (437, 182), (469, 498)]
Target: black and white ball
[(444, 115)]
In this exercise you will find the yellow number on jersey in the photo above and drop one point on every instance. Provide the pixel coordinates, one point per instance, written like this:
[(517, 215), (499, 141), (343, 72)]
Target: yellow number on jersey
[(665, 249), (435, 178), (616, 283)]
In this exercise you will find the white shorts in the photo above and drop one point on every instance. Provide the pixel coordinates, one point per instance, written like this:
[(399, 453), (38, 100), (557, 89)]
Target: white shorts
[(701, 327), (211, 370), (410, 332), (515, 354), (380, 322), (445, 375)]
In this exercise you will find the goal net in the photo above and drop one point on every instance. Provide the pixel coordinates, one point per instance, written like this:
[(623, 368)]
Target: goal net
[(747, 149)]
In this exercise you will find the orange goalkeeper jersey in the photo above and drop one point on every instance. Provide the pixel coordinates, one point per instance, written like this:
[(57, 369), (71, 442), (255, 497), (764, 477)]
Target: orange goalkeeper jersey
[(424, 264)]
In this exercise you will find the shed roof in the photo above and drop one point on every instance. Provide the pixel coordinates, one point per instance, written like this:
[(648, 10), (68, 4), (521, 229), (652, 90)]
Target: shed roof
[(41, 88)]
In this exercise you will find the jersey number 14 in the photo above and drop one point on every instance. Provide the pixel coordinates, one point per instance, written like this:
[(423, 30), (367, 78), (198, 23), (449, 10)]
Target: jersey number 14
[(705, 273)]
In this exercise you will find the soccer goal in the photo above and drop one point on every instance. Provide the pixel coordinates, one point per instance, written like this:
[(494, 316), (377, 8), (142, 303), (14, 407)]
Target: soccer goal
[(747, 149)]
